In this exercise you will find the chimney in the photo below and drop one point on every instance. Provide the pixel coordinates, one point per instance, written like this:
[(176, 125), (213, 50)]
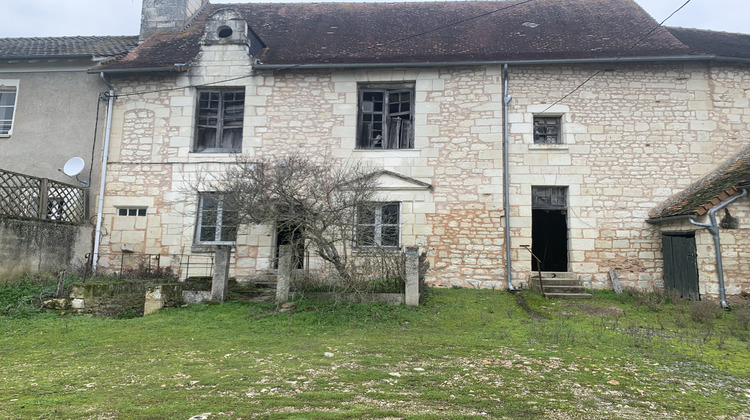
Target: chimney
[(167, 15)]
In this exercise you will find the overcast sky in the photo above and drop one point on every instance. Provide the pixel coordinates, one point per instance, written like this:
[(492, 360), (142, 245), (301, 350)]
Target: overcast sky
[(29, 18)]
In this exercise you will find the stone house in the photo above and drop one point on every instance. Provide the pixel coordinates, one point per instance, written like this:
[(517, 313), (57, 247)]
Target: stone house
[(557, 125), (50, 111)]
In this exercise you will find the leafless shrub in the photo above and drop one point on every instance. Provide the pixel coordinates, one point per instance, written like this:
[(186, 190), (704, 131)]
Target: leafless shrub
[(742, 316), (316, 203), (704, 311), (654, 301)]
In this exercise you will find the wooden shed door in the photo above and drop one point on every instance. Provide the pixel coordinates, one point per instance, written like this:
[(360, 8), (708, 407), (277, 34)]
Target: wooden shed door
[(680, 263)]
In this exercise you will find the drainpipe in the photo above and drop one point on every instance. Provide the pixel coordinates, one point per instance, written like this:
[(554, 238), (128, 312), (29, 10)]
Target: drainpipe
[(506, 179), (103, 176), (713, 227)]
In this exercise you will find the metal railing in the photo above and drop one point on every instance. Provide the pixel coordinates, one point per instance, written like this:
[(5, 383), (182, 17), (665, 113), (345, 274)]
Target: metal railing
[(28, 197), (538, 267)]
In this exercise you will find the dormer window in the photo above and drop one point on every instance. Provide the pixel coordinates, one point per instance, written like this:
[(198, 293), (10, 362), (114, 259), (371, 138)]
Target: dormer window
[(224, 32)]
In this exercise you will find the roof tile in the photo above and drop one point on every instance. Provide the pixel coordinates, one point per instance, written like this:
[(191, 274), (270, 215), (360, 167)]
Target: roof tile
[(418, 32), (73, 46), (712, 190)]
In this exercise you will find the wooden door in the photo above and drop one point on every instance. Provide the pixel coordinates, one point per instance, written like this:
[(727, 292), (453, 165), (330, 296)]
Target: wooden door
[(681, 263)]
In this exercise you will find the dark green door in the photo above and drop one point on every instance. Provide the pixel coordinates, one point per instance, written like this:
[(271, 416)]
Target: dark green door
[(680, 263)]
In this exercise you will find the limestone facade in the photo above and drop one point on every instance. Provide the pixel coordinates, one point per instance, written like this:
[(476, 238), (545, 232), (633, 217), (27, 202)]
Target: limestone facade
[(632, 136)]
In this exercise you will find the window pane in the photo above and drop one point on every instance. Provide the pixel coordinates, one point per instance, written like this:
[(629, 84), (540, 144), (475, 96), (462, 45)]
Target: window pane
[(390, 214), (219, 119), (366, 235), (206, 139), (366, 215), (228, 233), (208, 234), (6, 112), (7, 98), (141, 212), (122, 212), (547, 130), (389, 236)]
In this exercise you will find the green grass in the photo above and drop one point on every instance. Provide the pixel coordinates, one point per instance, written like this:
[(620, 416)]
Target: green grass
[(464, 354)]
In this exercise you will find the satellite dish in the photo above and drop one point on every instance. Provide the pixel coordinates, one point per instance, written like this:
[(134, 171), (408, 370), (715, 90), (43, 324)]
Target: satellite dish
[(73, 166)]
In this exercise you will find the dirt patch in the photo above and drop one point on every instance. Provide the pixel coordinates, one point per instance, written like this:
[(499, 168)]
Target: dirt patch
[(608, 311)]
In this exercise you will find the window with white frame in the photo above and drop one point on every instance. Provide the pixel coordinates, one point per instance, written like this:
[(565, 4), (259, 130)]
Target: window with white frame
[(379, 225), (386, 115), (547, 129), (8, 96), (219, 121), (217, 219), (131, 211)]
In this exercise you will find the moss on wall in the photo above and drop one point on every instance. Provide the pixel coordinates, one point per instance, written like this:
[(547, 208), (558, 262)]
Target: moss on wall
[(40, 248)]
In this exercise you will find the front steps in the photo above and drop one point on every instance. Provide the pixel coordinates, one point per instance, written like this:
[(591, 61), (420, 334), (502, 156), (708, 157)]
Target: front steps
[(559, 285)]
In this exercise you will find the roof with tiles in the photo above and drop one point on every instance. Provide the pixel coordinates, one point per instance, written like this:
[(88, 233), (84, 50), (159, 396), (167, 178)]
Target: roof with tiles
[(428, 32), (715, 188), (722, 44), (72, 46)]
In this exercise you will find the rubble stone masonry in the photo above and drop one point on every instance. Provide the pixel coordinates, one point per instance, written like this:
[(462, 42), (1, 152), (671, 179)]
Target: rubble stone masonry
[(632, 136)]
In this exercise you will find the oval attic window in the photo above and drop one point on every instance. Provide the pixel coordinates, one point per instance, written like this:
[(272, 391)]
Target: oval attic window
[(225, 32)]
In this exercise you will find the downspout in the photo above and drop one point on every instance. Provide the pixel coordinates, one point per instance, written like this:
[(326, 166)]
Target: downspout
[(506, 179), (713, 227), (103, 176)]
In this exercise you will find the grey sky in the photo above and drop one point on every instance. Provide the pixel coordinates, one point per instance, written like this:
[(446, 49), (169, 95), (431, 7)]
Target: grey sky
[(30, 18)]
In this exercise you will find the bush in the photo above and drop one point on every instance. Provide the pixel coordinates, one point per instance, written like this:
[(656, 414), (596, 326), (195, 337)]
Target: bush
[(23, 298), (705, 311)]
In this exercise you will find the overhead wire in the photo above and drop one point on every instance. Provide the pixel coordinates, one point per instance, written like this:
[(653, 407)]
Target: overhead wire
[(641, 39)]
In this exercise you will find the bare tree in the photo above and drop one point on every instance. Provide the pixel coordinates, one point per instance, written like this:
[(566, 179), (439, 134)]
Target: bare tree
[(312, 202)]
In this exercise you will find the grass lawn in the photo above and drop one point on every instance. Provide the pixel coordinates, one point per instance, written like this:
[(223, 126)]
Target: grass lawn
[(464, 354)]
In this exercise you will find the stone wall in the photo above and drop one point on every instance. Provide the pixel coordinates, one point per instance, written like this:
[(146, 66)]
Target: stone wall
[(124, 298), (30, 248), (633, 136), (109, 299)]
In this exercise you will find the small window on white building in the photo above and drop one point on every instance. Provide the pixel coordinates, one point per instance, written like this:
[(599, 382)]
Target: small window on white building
[(134, 211), (379, 225), (8, 96), (217, 219), (547, 130)]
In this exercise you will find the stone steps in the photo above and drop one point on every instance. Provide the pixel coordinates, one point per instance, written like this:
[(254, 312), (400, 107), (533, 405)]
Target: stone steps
[(560, 285)]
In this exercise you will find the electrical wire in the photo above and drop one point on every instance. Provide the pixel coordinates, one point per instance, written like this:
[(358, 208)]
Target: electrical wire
[(618, 57), (96, 131), (333, 57)]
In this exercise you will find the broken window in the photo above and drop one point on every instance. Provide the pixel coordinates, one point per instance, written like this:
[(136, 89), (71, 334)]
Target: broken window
[(220, 115), (217, 219), (378, 225), (386, 115), (549, 198), (7, 108), (547, 130)]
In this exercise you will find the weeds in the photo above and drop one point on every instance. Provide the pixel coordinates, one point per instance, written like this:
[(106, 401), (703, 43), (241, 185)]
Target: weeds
[(704, 311)]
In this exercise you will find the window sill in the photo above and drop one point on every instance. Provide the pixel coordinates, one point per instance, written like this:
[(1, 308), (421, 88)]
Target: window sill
[(561, 147), (360, 249), (377, 152), (215, 151), (4, 136)]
